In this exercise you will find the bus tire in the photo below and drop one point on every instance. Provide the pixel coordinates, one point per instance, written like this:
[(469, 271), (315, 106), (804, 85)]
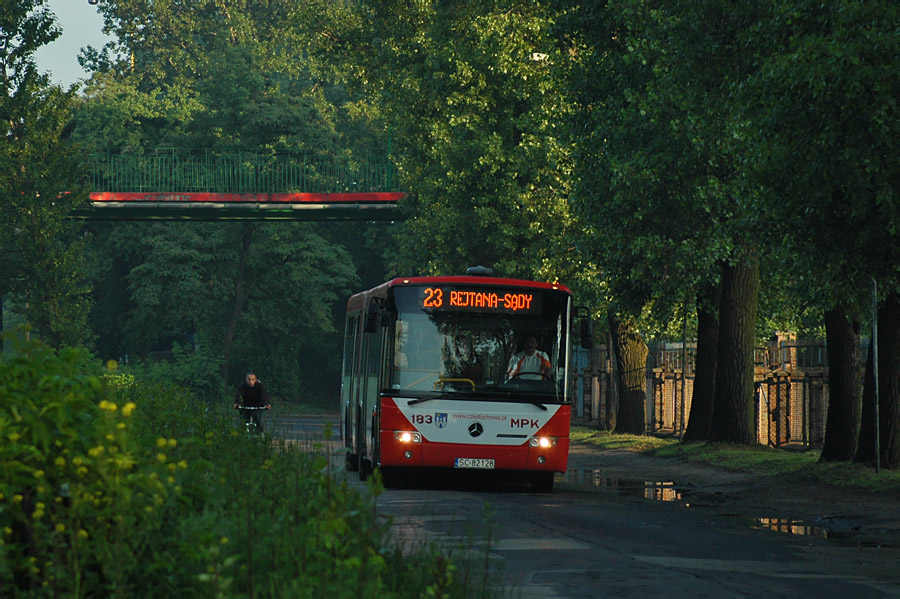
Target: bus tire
[(365, 468), (542, 482), (352, 461), (391, 477)]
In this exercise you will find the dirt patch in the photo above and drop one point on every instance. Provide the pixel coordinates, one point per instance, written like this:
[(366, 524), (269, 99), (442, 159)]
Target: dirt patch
[(830, 511)]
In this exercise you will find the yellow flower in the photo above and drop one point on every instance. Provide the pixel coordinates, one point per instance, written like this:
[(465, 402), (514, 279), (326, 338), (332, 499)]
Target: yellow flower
[(183, 464), (7, 530), (103, 404), (161, 443), (82, 534), (60, 528), (81, 471), (161, 457), (60, 462), (38, 473), (223, 541), (17, 498), (77, 461), (37, 514), (121, 426), (95, 451), (110, 437), (128, 408), (170, 480), (15, 437), (173, 442)]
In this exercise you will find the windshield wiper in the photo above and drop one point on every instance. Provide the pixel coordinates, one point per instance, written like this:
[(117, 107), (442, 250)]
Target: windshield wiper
[(533, 402), (413, 402)]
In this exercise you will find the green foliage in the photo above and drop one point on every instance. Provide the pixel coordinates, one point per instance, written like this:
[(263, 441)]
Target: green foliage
[(198, 371), (468, 95), (114, 486), (41, 179), (277, 291)]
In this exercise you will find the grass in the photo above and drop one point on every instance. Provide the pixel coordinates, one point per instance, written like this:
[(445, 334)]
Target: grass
[(757, 459)]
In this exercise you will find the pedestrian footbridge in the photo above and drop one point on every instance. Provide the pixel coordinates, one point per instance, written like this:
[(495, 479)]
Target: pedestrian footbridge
[(209, 185)]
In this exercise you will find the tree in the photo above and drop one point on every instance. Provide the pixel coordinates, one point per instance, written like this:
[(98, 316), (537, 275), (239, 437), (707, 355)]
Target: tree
[(631, 380), (468, 95), (665, 203), (41, 180), (227, 77), (264, 303), (824, 145), (844, 388)]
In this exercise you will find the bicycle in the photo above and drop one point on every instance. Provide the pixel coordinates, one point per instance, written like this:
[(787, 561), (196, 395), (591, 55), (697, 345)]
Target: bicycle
[(252, 418)]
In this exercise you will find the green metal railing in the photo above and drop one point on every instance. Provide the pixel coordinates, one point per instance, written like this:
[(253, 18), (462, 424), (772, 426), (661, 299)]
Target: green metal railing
[(208, 171)]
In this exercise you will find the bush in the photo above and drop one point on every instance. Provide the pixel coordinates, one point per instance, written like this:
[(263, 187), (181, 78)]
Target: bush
[(113, 486)]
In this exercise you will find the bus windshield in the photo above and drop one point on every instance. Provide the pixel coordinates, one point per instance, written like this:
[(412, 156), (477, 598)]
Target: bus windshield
[(479, 350)]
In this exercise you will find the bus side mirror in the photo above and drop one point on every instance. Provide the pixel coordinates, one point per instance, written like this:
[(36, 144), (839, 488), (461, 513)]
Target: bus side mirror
[(371, 324), (587, 333)]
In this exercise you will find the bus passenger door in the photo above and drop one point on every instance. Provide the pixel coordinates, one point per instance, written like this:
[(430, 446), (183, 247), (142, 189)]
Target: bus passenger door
[(350, 388), (372, 360)]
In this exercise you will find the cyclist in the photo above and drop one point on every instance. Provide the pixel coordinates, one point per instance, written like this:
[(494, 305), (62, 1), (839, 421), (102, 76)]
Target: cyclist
[(252, 394)]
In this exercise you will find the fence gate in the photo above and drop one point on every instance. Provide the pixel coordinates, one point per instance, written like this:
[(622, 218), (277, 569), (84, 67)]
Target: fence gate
[(785, 400)]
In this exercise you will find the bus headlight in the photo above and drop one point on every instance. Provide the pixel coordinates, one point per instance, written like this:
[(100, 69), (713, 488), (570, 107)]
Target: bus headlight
[(542, 442), (407, 437)]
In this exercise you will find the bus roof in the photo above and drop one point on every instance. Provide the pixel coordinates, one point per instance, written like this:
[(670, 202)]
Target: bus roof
[(475, 280)]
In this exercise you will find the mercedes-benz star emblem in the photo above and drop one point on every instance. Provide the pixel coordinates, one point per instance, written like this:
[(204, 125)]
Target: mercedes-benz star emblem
[(476, 429)]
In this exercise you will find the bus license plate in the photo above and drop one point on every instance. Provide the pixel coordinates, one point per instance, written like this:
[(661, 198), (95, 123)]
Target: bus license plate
[(482, 463)]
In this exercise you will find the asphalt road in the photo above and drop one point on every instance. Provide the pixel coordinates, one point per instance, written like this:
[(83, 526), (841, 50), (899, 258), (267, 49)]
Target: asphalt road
[(615, 540)]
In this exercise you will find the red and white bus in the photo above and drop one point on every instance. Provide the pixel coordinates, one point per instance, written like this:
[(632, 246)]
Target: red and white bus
[(434, 377)]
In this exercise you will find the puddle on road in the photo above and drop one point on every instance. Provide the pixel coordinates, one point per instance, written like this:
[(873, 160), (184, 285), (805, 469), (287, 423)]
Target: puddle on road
[(647, 489), (791, 527)]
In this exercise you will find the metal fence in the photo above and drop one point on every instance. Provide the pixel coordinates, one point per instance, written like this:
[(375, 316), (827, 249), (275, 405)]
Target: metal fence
[(196, 171), (791, 391)]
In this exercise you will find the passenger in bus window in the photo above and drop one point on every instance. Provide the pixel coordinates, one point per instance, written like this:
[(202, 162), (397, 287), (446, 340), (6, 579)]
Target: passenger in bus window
[(529, 364), (462, 361), (401, 343)]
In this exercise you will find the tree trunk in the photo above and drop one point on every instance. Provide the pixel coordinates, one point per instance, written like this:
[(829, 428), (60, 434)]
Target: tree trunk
[(700, 422), (631, 365), (240, 295), (865, 448), (889, 380), (733, 405), (844, 388)]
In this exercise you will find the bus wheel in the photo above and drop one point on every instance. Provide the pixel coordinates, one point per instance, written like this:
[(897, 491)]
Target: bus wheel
[(542, 482), (365, 468), (391, 477), (352, 461)]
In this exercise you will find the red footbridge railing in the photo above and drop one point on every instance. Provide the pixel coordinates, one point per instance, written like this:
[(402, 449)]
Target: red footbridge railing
[(210, 185)]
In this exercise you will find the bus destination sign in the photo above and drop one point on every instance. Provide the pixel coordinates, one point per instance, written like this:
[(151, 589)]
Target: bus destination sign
[(513, 301)]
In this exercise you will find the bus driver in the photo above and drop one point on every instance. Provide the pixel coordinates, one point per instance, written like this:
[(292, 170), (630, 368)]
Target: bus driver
[(529, 364)]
